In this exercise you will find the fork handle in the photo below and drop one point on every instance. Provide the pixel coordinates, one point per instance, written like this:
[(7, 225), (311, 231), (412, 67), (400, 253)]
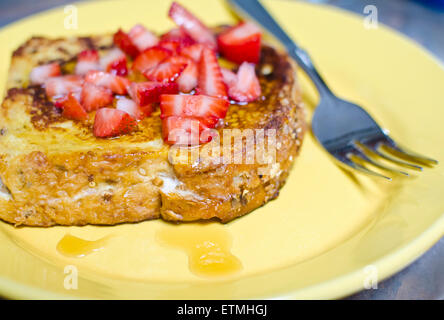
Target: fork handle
[(254, 10)]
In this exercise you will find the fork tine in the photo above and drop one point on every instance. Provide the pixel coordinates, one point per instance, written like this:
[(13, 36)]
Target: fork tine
[(413, 155), (375, 149), (363, 169), (357, 152)]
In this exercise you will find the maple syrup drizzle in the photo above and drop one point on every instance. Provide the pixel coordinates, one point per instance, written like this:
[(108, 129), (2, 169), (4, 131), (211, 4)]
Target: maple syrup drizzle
[(208, 249), (72, 246)]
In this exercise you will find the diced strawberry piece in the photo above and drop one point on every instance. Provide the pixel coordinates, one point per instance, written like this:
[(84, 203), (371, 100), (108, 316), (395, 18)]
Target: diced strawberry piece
[(88, 55), (241, 43), (112, 55), (77, 95), (193, 52), (176, 40), (87, 60), (94, 97), (42, 73), (130, 107), (178, 35), (150, 58), (192, 25), (142, 38), (184, 130), (115, 62), (168, 70), (148, 109), (188, 79), (146, 93), (117, 84), (123, 41), (193, 106), (119, 67), (112, 122), (246, 88), (173, 46), (210, 76), (61, 86), (229, 76), (211, 122), (72, 109)]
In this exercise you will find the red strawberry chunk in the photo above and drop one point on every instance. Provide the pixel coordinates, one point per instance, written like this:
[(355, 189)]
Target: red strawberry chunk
[(72, 109), (193, 52), (187, 81), (246, 88), (241, 43), (192, 25), (42, 73), (210, 76), (142, 38), (94, 97), (119, 67), (185, 131), (179, 36), (61, 86), (59, 102), (130, 107), (146, 93), (150, 58), (168, 70), (87, 60), (110, 122), (229, 77), (173, 46), (123, 41), (115, 62), (193, 106), (148, 109), (117, 84)]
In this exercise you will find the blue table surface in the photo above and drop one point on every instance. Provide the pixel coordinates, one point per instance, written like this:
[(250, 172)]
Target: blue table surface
[(419, 20)]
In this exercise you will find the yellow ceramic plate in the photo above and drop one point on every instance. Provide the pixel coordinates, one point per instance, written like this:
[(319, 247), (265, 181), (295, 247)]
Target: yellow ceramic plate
[(326, 235)]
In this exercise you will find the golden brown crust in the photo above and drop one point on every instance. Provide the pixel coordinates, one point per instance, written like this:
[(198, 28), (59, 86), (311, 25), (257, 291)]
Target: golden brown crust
[(55, 171)]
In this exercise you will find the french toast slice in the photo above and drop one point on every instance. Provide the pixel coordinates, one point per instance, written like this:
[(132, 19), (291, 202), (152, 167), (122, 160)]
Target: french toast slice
[(54, 171)]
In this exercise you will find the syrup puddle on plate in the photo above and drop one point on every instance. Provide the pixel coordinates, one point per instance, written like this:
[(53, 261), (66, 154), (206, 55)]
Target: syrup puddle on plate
[(208, 249), (74, 247)]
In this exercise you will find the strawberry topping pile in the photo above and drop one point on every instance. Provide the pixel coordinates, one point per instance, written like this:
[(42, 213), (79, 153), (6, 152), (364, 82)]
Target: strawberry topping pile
[(178, 71)]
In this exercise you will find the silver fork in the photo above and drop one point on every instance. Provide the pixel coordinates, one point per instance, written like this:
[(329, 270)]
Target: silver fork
[(343, 128)]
